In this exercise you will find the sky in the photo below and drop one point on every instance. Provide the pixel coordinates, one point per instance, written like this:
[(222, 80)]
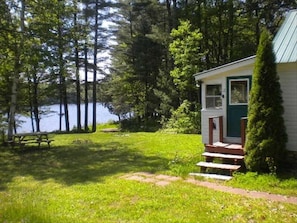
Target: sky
[(104, 65)]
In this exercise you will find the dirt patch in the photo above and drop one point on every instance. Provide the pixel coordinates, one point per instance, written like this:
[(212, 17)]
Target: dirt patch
[(164, 180)]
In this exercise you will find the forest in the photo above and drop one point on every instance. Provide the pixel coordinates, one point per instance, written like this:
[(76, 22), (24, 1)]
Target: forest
[(137, 57)]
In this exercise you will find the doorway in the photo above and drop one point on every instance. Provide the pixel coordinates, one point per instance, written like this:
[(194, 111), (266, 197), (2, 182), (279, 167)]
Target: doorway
[(237, 103)]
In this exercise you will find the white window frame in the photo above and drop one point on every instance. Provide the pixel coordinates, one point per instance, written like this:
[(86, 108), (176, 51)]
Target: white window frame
[(213, 96), (248, 90)]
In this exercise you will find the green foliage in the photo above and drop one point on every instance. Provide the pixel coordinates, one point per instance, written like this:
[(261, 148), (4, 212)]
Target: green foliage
[(266, 134), (3, 127), (187, 55), (185, 119), (139, 125), (167, 94), (139, 61)]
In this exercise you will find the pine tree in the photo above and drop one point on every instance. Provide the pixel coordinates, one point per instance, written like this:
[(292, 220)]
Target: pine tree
[(266, 134)]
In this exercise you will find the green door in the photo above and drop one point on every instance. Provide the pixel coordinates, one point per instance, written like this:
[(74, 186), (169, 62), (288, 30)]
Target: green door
[(237, 103)]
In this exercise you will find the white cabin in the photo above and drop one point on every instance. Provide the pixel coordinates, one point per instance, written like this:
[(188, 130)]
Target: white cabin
[(225, 90)]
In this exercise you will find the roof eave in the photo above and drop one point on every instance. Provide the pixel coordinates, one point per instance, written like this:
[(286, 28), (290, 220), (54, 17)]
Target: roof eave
[(226, 67)]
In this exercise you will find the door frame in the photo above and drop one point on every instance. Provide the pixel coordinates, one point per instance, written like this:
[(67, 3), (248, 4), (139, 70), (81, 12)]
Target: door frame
[(236, 110)]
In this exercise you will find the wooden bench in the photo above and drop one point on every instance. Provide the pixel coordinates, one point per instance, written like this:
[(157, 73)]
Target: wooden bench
[(48, 141), (23, 139)]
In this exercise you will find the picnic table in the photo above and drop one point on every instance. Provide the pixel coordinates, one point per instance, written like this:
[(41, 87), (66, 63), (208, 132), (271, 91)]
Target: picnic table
[(22, 139)]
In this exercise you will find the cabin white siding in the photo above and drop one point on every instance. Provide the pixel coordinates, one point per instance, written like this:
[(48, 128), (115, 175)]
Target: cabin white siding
[(288, 81), (206, 113), (221, 78)]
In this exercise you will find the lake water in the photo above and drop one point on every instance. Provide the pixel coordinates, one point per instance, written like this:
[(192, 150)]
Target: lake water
[(50, 122)]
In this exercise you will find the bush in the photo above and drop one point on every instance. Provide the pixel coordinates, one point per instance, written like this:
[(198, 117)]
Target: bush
[(266, 134), (184, 120), (135, 124)]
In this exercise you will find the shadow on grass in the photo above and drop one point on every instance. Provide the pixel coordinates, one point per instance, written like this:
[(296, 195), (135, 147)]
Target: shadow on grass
[(77, 163)]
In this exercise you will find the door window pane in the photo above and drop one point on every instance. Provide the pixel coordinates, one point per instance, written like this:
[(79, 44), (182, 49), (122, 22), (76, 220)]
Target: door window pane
[(239, 92)]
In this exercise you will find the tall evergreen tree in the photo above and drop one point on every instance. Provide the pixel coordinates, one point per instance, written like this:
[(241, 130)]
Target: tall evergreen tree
[(266, 134), (138, 59)]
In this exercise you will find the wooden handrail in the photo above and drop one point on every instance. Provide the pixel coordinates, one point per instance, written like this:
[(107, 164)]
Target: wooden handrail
[(211, 127), (243, 122), (221, 128)]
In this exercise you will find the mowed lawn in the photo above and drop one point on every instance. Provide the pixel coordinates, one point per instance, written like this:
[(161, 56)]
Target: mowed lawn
[(80, 180)]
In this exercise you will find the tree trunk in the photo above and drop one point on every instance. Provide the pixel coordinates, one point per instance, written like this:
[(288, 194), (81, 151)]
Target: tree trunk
[(31, 103), (17, 70), (11, 120), (86, 77), (66, 105), (95, 68), (36, 104), (86, 88), (206, 34), (77, 77), (63, 88), (231, 19)]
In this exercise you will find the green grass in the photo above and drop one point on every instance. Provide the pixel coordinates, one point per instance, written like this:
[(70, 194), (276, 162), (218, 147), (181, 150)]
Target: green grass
[(281, 184), (79, 180)]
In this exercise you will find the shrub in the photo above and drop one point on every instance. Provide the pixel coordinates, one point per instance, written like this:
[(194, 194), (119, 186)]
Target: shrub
[(266, 134), (184, 119)]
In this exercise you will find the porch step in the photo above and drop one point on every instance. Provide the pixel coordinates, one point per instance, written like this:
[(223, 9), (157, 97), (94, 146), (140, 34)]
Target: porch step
[(223, 156), (220, 144), (225, 148), (229, 157), (230, 167), (211, 176)]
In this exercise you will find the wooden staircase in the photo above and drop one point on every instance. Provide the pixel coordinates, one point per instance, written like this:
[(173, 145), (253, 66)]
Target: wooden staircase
[(224, 157), (221, 159)]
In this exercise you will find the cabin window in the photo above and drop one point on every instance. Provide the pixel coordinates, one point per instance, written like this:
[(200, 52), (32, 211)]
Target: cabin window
[(213, 96), (239, 92)]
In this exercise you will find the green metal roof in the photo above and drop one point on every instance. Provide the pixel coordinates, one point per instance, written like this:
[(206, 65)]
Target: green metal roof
[(285, 41)]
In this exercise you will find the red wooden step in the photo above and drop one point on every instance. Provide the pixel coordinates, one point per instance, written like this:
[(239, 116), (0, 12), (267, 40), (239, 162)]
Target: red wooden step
[(234, 149)]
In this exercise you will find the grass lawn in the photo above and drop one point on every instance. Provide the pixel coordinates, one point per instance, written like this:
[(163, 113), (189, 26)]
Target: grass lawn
[(79, 180)]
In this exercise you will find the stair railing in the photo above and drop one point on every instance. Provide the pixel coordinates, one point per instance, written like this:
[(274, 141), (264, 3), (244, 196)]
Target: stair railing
[(211, 127), (243, 123)]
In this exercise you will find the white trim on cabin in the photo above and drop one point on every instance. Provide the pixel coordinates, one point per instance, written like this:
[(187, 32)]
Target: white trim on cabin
[(225, 68), (247, 93)]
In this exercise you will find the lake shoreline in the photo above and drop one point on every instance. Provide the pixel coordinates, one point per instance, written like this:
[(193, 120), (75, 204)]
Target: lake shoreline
[(50, 122)]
